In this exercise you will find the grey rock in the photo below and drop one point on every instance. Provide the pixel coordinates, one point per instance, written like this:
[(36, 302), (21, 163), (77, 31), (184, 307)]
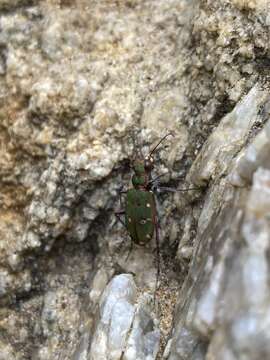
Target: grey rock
[(98, 285), (57, 320), (143, 341), (116, 312), (7, 352), (254, 156), (9, 4), (228, 138), (126, 326), (228, 287)]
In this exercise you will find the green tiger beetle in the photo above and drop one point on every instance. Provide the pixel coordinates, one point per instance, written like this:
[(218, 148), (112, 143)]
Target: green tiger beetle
[(141, 220)]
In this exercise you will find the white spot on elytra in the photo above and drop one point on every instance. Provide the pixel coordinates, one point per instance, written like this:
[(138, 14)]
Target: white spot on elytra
[(148, 205)]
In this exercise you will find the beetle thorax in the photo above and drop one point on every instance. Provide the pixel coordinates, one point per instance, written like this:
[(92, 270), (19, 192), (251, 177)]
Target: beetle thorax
[(138, 167), (141, 176)]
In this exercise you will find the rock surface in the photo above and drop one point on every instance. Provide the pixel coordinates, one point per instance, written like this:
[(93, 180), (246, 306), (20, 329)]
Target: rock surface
[(125, 329), (227, 283), (84, 87)]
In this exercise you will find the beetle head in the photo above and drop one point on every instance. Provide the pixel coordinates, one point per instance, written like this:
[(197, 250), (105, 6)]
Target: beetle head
[(146, 165), (149, 163)]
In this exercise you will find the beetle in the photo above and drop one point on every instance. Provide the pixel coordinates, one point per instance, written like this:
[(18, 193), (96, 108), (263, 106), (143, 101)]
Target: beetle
[(140, 212)]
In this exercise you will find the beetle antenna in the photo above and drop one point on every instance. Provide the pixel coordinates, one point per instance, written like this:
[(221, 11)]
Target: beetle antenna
[(164, 137)]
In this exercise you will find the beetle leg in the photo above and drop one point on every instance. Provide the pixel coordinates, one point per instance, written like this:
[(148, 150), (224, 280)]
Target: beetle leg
[(161, 189), (158, 257), (118, 216), (154, 182)]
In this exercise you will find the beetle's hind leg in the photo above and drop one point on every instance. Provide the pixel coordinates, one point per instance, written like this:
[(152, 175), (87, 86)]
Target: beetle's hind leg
[(158, 258), (119, 213)]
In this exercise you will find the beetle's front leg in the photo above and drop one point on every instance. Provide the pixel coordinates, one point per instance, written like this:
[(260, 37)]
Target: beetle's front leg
[(153, 183), (118, 215)]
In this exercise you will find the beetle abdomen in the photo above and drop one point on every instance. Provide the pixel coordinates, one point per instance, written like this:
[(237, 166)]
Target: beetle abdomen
[(140, 215)]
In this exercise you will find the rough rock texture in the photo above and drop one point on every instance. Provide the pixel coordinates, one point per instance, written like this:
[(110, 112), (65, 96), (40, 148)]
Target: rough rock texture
[(84, 85), (222, 309), (124, 329)]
